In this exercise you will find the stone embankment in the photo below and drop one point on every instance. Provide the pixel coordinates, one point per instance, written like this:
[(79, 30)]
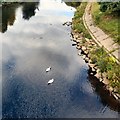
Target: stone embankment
[(85, 46)]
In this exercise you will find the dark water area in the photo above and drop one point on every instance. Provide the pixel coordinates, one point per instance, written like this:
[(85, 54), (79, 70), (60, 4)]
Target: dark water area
[(34, 38)]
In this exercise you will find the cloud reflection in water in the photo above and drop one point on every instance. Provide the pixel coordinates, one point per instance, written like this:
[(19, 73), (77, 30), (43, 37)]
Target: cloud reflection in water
[(29, 47)]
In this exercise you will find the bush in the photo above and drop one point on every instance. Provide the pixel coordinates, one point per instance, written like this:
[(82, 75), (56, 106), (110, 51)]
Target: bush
[(110, 6), (108, 65)]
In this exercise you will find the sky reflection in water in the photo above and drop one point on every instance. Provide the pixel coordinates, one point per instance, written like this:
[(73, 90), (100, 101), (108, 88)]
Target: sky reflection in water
[(29, 47)]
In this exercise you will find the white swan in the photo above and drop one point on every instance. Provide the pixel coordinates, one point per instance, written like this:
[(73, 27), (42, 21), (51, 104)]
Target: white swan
[(50, 81), (48, 69)]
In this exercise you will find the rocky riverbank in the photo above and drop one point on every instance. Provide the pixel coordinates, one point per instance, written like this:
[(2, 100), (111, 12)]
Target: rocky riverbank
[(101, 65), (86, 46)]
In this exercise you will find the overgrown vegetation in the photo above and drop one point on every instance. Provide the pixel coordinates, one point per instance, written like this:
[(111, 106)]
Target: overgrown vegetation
[(110, 6), (108, 65), (106, 16), (78, 25), (73, 4), (108, 21)]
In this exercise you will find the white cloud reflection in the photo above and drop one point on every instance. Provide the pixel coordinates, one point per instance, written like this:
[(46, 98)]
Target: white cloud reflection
[(43, 31)]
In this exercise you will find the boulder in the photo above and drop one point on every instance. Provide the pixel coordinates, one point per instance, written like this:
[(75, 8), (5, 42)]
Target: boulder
[(76, 36), (91, 65), (98, 75), (111, 89), (67, 23), (118, 95), (74, 44), (83, 56), (92, 43), (84, 48), (86, 52), (87, 39), (78, 47), (86, 59), (115, 96), (77, 41), (101, 79), (74, 39)]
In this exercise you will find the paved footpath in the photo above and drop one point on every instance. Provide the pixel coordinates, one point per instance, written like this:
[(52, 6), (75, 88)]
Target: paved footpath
[(99, 36)]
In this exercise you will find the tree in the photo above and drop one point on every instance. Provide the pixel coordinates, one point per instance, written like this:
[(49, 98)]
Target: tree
[(111, 6), (73, 4)]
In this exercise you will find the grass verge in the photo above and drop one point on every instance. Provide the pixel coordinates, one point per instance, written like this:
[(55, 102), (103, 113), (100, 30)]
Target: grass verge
[(107, 21)]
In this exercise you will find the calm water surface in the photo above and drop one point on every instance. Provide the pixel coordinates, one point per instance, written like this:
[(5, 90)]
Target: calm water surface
[(33, 38)]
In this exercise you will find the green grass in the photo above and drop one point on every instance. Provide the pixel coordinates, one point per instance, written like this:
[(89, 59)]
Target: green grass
[(78, 25), (108, 22), (108, 65)]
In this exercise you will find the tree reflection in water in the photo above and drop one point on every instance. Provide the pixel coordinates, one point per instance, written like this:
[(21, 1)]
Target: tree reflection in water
[(106, 98), (8, 16), (73, 4), (29, 9), (8, 13)]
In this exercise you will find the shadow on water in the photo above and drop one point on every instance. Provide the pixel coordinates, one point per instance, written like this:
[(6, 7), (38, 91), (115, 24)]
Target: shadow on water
[(105, 97), (29, 9), (9, 11), (73, 4), (8, 16)]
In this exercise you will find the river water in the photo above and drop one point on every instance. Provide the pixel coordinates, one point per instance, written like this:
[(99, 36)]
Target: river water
[(34, 38)]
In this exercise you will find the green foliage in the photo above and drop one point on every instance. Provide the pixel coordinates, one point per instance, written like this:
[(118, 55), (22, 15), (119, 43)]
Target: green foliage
[(98, 55), (110, 6), (108, 65), (73, 4), (107, 21), (103, 7), (78, 27), (78, 22), (97, 18)]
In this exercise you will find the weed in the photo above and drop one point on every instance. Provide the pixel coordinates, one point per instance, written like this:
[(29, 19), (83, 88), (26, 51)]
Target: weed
[(78, 22)]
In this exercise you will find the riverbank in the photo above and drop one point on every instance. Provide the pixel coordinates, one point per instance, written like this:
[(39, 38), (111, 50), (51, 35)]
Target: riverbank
[(101, 65)]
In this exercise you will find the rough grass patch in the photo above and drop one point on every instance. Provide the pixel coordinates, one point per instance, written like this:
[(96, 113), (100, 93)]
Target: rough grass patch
[(108, 22), (78, 22)]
